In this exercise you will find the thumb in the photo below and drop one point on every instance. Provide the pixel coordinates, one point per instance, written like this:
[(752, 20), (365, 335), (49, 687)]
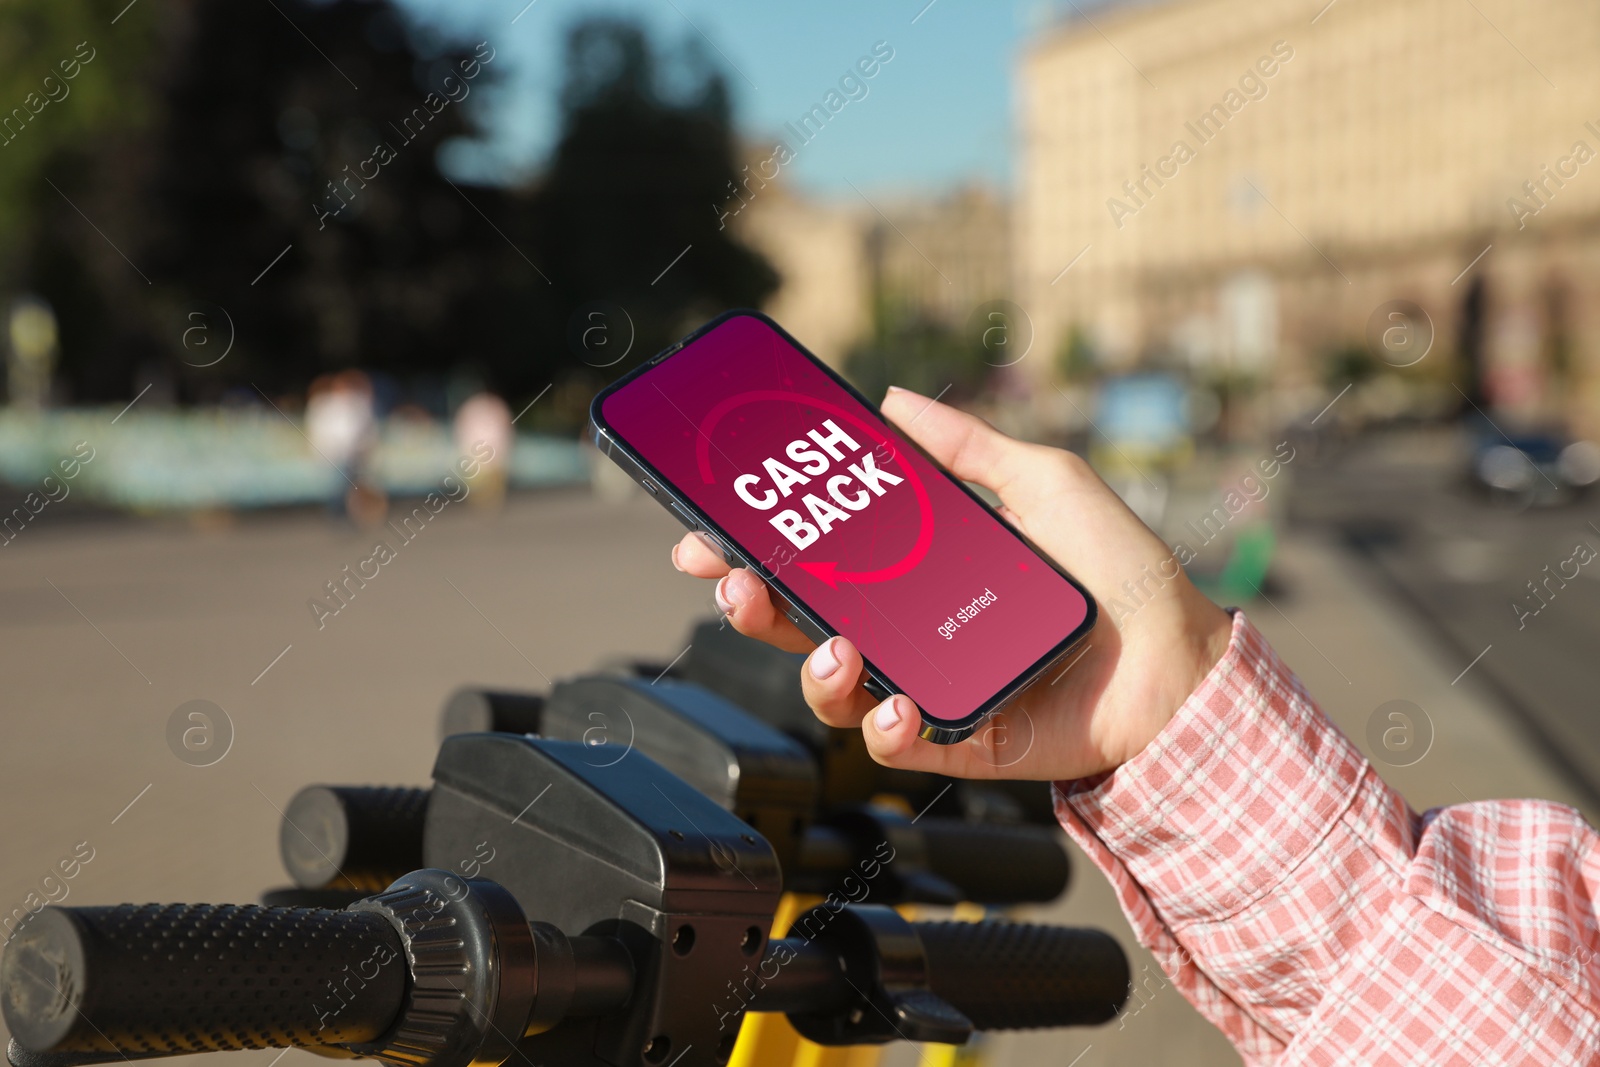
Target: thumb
[(964, 444), (1052, 495)]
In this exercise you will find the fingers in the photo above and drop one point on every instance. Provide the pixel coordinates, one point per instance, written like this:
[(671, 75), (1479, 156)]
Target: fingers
[(694, 555), (1049, 494), (744, 599), (740, 595), (891, 729), (831, 680)]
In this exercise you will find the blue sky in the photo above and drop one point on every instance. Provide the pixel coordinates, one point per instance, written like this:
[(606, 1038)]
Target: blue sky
[(937, 114)]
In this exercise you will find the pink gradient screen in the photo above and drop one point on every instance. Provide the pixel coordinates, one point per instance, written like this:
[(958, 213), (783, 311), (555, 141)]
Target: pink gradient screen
[(943, 599)]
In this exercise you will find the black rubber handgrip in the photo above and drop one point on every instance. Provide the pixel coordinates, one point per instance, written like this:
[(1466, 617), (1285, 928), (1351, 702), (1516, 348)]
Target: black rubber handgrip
[(474, 710), (178, 978), (998, 864), (295, 897), (352, 837), (1019, 976)]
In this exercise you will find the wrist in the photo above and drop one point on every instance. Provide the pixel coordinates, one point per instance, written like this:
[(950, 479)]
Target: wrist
[(1179, 657)]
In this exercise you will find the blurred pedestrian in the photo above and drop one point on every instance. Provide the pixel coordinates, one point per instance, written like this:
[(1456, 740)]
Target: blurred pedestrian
[(341, 423), (483, 432)]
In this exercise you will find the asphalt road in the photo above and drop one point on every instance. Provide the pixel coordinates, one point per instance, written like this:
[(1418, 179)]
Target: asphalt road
[(107, 627), (110, 625), (1507, 589)]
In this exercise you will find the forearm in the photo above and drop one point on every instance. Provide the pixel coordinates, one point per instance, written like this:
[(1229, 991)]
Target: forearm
[(1264, 862)]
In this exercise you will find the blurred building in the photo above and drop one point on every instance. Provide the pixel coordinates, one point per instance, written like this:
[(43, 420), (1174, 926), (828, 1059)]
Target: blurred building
[(816, 248), (930, 258), (1245, 183), (942, 256)]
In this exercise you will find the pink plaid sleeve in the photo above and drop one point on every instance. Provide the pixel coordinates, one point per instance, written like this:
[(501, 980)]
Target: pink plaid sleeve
[(1301, 906)]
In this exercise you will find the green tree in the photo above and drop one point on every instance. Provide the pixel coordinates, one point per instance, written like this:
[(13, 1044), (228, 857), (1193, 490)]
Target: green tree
[(911, 350), (283, 190), (282, 193), (629, 210), (310, 131), (69, 76), (1075, 358)]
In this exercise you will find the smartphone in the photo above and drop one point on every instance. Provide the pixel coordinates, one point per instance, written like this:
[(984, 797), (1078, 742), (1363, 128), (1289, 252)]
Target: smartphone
[(789, 471)]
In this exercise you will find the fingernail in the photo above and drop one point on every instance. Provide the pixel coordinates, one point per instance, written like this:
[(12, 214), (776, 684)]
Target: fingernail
[(895, 389), (887, 717), (823, 661), (735, 588), (675, 562)]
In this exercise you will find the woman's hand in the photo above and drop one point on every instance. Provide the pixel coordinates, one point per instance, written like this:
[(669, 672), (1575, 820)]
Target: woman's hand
[(1130, 676)]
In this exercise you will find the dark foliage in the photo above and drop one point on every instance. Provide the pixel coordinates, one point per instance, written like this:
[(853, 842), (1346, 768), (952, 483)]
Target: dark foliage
[(638, 178), (316, 127)]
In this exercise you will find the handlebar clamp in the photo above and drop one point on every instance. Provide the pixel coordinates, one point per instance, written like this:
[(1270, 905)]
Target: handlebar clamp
[(883, 962), (466, 1002)]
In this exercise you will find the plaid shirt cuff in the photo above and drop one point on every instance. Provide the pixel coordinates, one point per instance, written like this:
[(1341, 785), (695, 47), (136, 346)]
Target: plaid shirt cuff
[(1233, 793)]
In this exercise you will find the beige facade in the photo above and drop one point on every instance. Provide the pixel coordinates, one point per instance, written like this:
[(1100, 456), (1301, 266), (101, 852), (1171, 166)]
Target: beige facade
[(942, 257), (1244, 182), (818, 252), (936, 258)]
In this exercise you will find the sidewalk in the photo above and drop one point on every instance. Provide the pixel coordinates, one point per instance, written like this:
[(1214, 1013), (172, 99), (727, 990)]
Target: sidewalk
[(555, 584), (1355, 648)]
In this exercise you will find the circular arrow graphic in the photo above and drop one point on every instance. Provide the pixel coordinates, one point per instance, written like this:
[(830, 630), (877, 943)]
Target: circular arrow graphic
[(827, 570)]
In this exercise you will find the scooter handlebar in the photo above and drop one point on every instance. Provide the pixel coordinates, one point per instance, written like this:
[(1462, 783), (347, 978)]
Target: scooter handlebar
[(440, 972)]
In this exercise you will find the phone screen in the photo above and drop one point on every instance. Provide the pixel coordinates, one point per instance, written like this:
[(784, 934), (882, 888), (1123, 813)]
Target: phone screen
[(942, 598)]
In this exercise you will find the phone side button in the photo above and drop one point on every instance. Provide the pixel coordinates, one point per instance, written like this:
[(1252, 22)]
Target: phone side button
[(807, 627), (720, 549), (876, 688), (683, 516)]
